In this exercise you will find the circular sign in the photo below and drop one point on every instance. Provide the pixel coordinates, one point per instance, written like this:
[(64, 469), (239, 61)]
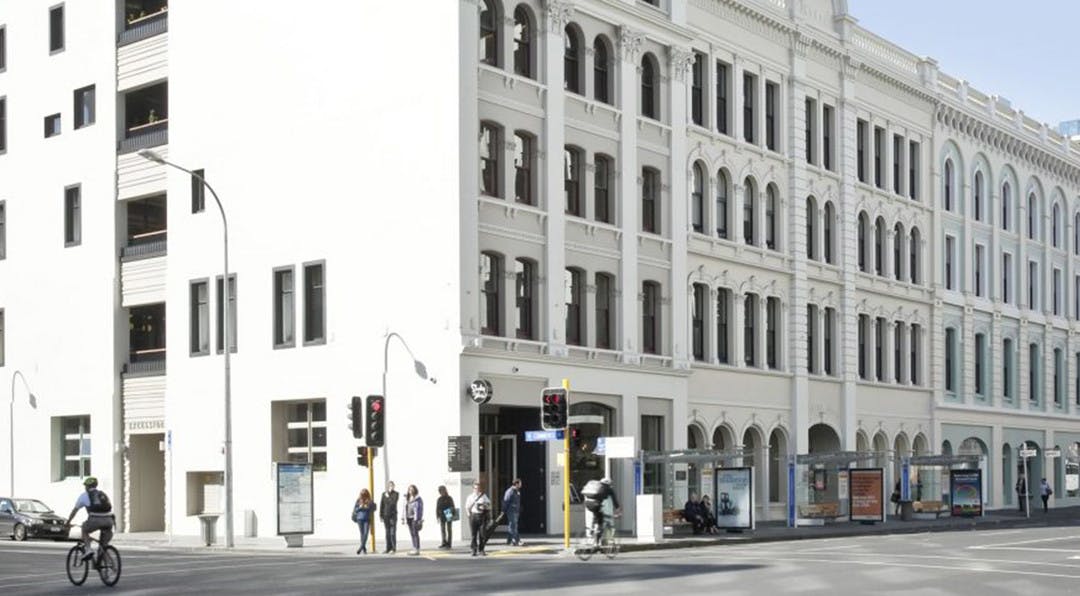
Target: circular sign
[(480, 391)]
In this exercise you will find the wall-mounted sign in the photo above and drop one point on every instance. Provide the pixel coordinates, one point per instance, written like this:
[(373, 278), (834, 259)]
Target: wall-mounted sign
[(867, 502), (480, 391), (459, 453)]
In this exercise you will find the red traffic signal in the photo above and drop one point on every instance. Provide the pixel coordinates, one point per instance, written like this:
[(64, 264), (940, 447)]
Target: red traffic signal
[(375, 426), (553, 408)]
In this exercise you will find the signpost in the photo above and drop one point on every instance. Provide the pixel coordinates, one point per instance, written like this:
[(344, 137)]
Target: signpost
[(540, 436), (295, 502), (1025, 453)]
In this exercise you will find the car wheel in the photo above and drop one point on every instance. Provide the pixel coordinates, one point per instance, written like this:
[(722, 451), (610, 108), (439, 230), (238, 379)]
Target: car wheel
[(20, 532)]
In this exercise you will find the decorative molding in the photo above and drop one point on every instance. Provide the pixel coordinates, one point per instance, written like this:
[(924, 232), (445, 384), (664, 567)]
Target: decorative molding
[(558, 14), (630, 42), (680, 59)]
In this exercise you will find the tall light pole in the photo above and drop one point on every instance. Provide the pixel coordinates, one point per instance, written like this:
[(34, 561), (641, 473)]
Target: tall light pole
[(11, 420), (421, 371), (227, 344)]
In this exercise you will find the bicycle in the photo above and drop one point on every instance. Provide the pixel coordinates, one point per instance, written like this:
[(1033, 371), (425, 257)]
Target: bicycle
[(107, 563), (604, 541)]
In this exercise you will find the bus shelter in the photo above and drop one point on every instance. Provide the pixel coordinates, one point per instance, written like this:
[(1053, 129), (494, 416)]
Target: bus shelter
[(665, 472), (819, 484), (926, 482)]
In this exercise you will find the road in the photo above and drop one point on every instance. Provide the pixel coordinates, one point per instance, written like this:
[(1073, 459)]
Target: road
[(1024, 562)]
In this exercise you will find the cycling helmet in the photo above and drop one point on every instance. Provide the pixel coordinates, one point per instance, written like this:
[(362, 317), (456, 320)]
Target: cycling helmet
[(606, 481), (90, 481)]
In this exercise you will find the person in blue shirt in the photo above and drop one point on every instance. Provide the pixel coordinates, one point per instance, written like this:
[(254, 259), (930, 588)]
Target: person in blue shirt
[(99, 515), (511, 506)]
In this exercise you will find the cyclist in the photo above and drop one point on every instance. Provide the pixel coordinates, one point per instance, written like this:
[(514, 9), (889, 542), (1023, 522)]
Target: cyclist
[(595, 494), (99, 515)]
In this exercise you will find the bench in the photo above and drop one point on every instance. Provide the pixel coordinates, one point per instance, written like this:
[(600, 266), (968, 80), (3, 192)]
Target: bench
[(673, 519), (930, 507), (820, 510)]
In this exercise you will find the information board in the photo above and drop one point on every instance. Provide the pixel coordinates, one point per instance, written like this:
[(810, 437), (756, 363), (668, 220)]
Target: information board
[(965, 490), (459, 453), (734, 503), (867, 502), (295, 502)]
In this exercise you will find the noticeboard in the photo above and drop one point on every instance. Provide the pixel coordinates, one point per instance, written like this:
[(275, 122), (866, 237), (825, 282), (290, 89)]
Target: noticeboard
[(734, 490), (867, 502), (965, 492), (459, 453), (295, 500)]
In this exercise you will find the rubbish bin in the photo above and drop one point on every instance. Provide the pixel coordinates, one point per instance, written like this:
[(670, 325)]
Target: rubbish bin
[(907, 511), (209, 527)]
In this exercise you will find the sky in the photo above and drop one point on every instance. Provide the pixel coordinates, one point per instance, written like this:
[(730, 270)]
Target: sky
[(1023, 50)]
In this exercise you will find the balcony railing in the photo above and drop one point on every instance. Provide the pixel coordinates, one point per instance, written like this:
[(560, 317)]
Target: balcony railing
[(145, 246), (144, 27), (144, 363), (151, 134)]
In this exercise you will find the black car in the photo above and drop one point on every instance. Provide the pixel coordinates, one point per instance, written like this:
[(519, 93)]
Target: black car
[(29, 518)]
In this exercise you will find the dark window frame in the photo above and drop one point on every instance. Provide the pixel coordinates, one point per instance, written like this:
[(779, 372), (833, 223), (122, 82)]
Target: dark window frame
[(315, 337), (651, 313), (723, 81), (723, 325), (281, 323), (72, 215), (198, 191), (603, 167), (574, 180), (85, 106), (575, 305), (524, 34), (650, 200), (601, 70), (698, 322), (53, 125), (722, 205), (605, 302), (525, 298), (489, 32), (697, 90), (573, 59), (198, 317), (490, 167), (57, 43), (524, 166), (3, 229), (649, 87), (491, 294), (234, 328)]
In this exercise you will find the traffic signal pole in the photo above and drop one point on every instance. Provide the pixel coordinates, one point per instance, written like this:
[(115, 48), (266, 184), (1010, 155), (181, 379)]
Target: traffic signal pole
[(371, 489), (566, 470)]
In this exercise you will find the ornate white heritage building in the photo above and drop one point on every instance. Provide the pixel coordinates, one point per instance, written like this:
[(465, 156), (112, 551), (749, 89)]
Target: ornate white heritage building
[(728, 223)]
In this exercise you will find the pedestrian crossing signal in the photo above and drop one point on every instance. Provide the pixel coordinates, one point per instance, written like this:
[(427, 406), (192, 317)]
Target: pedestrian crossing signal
[(553, 408)]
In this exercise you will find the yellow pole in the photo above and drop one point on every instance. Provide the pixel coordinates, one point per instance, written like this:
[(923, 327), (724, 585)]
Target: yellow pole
[(566, 470), (371, 489)]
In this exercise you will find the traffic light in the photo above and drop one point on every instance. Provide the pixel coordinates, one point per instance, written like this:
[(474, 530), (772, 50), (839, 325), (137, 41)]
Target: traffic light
[(361, 456), (356, 411), (376, 421), (553, 412)]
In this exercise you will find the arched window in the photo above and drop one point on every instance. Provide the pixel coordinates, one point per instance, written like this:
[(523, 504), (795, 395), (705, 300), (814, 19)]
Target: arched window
[(697, 202), (572, 59), (524, 149), (864, 233), (978, 196), (914, 274), (879, 246), (749, 206), (772, 222), (948, 185), (811, 228), (490, 151), (827, 226), (523, 36), (649, 91), (898, 251), (1006, 206), (1032, 216), (1076, 234), (914, 248), (1055, 226), (721, 205), (601, 71), (489, 32)]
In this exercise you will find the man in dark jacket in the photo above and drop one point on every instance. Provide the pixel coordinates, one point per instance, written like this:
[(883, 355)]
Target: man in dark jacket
[(512, 508), (388, 511), (694, 514)]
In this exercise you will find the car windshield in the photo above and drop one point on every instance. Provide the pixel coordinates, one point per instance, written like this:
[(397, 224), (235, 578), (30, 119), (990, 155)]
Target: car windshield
[(31, 506)]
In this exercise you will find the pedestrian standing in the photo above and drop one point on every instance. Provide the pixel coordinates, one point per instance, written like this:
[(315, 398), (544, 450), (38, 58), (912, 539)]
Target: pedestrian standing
[(1021, 492), (511, 506), (389, 505), (478, 507), (414, 516), (363, 510), (1045, 491), (444, 510)]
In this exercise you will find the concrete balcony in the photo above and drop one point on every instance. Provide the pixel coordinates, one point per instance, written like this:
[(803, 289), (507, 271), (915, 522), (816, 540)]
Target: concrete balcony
[(142, 281)]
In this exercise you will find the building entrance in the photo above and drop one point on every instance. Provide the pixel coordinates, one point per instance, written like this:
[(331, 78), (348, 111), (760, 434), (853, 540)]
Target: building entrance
[(504, 455), (146, 459)]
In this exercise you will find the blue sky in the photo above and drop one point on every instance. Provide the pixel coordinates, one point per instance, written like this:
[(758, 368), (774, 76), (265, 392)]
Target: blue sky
[(1026, 51)]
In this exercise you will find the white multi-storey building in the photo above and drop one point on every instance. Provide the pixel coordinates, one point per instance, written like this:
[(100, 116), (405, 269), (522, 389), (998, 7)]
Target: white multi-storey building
[(728, 223)]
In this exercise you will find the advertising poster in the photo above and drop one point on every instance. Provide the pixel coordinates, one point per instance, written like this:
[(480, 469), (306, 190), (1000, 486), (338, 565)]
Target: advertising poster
[(734, 498), (296, 507), (867, 501), (965, 488)]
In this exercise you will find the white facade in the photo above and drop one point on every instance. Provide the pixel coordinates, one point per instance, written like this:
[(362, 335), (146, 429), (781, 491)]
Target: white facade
[(323, 155)]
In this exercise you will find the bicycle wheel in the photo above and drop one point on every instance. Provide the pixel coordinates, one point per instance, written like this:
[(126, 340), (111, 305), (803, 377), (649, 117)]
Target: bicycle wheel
[(109, 566), (76, 568), (611, 544), (584, 551)]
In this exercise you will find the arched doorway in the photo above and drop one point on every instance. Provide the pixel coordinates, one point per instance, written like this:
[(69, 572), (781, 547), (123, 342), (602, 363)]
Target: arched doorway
[(823, 439), (754, 445), (585, 463), (695, 440), (881, 450), (946, 448), (777, 465), (900, 451), (975, 446)]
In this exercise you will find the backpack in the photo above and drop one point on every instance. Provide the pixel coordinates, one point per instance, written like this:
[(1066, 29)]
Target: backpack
[(592, 489), (99, 502)]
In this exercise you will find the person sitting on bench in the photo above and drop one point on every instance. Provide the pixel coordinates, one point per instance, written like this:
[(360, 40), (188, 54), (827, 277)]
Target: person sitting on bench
[(694, 514)]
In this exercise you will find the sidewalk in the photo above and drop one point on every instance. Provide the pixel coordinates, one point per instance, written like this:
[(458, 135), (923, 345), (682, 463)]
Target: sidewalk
[(770, 531)]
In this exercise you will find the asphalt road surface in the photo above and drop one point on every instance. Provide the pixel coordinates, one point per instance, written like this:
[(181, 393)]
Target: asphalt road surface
[(1024, 562)]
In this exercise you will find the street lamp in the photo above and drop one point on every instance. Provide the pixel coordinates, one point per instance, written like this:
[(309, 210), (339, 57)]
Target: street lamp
[(11, 420), (421, 371), (154, 157)]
